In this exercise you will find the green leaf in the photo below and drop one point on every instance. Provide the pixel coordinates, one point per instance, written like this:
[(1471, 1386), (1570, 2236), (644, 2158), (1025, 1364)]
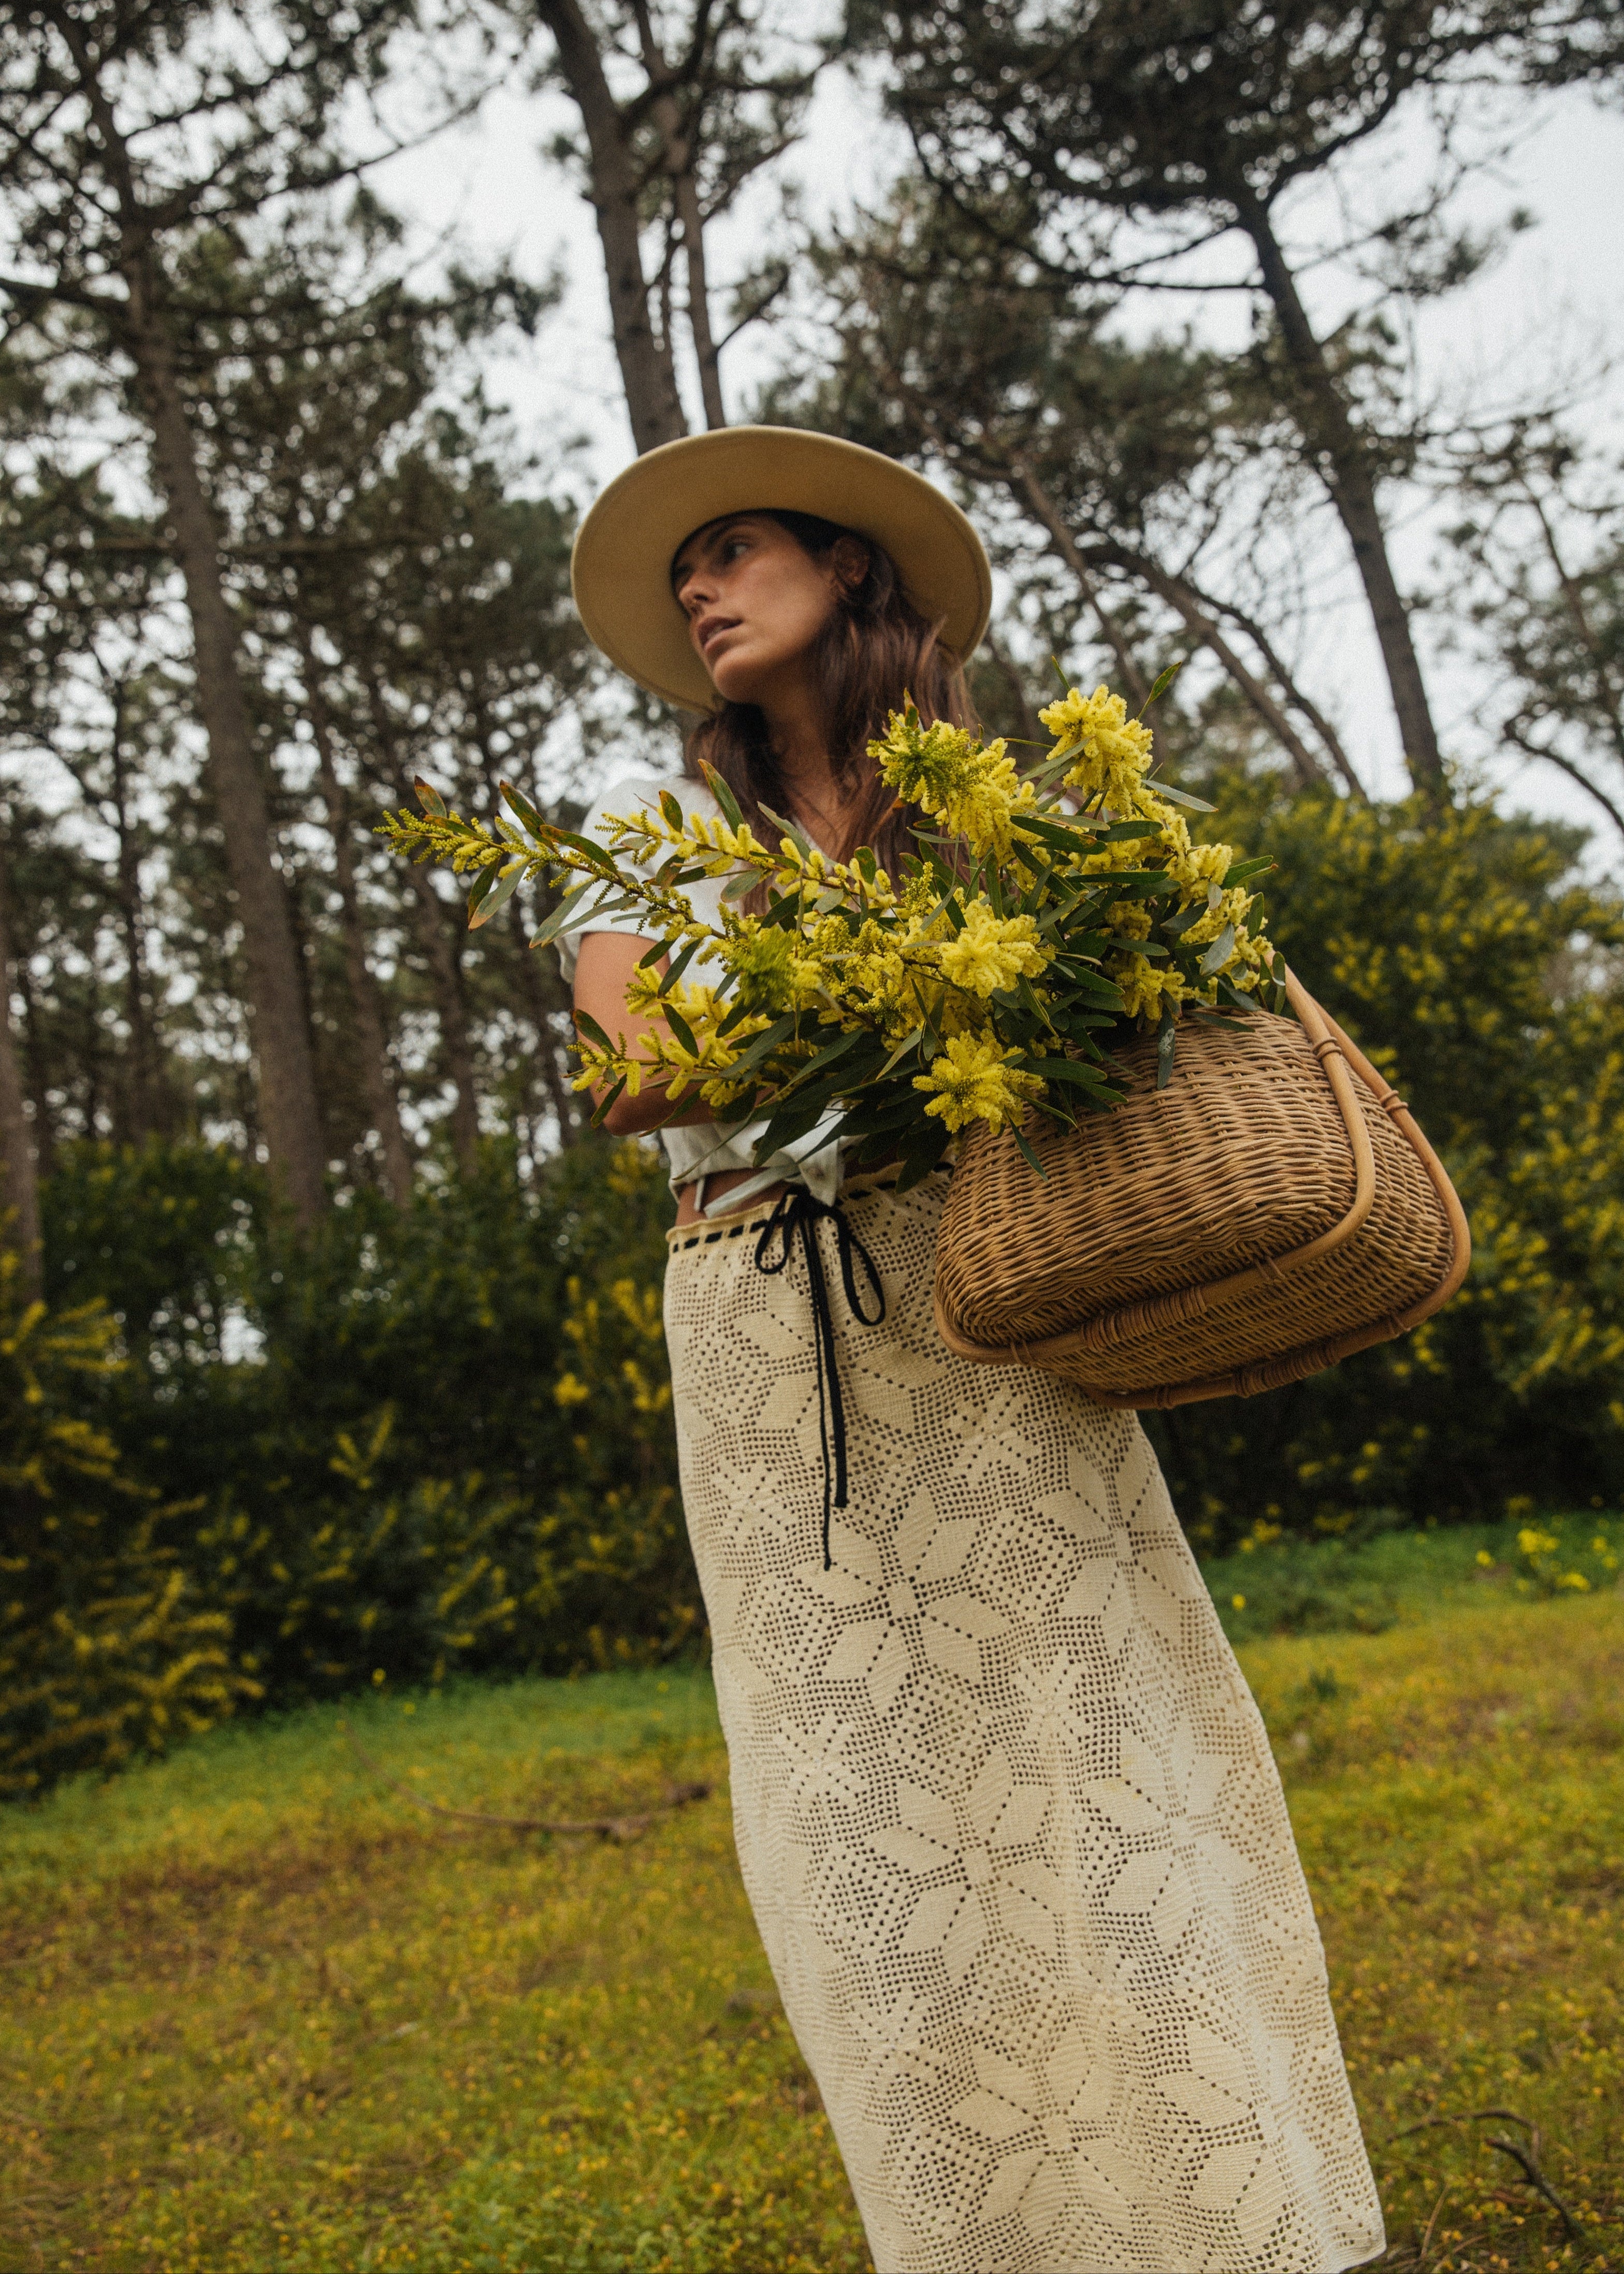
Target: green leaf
[(671, 807), (1031, 1157), (762, 1046), (1219, 953), (819, 1065), (589, 846), (680, 966), (519, 804), (1182, 797), (721, 792), (1063, 837), (901, 1052), (590, 1028), (1087, 1077), (1096, 988), (561, 919), (501, 892), (737, 887), (606, 1101), (1120, 831), (787, 1128), (680, 1029), (797, 837), (1164, 680), (430, 799), (919, 1157), (740, 1011), (1240, 871)]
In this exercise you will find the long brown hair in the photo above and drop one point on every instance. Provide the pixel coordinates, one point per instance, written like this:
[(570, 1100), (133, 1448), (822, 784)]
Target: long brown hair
[(875, 649)]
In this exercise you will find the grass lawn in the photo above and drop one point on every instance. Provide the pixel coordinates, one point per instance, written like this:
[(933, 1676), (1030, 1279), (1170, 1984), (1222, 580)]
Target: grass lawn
[(261, 2014)]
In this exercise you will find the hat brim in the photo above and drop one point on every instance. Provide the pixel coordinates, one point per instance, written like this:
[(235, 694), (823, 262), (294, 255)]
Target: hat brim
[(621, 568)]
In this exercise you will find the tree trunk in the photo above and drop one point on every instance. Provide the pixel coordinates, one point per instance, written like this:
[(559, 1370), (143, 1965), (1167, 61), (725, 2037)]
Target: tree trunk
[(533, 979), (36, 1070), (1346, 471), (366, 1007), (289, 1110), (1004, 664), (547, 1018), (685, 199), (646, 369), (142, 1114), (442, 947), (21, 1190), (440, 931), (1031, 493), (706, 352)]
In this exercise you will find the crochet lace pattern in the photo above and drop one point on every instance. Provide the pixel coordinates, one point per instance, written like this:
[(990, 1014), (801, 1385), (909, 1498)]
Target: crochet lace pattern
[(1005, 1810)]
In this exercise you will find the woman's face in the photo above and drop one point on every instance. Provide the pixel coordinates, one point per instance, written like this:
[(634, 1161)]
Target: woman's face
[(755, 602)]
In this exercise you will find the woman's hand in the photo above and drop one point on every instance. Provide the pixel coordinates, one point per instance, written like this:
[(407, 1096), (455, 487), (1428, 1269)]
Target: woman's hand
[(603, 974)]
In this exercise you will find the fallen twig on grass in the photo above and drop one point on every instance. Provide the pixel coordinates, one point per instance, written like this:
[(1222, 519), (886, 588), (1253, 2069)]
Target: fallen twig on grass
[(1527, 2158), (1467, 2116), (631, 1826), (1538, 2180), (1426, 2239)]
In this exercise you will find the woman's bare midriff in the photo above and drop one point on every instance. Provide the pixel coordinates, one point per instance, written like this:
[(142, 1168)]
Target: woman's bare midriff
[(716, 1187)]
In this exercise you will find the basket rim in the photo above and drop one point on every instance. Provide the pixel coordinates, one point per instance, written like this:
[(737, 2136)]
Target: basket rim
[(1340, 1059)]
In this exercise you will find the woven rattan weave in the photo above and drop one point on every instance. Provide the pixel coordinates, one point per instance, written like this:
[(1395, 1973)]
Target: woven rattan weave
[(1275, 1209)]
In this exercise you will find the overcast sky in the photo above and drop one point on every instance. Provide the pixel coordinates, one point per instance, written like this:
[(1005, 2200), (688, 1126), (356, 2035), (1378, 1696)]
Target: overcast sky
[(1552, 304)]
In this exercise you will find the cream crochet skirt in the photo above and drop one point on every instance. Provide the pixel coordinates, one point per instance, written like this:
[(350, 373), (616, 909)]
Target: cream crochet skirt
[(1005, 1810)]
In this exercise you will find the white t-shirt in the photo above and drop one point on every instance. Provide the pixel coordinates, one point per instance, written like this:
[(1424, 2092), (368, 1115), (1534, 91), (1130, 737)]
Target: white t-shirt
[(702, 1148)]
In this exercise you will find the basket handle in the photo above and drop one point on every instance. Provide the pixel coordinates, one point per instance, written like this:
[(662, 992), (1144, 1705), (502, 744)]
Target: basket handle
[(1460, 1232)]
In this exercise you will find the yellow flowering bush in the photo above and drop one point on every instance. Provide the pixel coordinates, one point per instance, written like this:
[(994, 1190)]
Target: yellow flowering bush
[(1040, 914)]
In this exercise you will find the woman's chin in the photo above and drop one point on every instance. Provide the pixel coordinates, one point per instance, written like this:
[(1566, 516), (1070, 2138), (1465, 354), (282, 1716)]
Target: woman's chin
[(735, 679)]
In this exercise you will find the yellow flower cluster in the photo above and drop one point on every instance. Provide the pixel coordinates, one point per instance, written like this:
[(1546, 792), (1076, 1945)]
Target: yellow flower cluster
[(971, 787), (1042, 906), (1110, 752), (974, 1080)]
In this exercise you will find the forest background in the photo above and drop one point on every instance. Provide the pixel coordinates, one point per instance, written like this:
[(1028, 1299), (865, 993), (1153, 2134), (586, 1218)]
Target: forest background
[(331, 1351)]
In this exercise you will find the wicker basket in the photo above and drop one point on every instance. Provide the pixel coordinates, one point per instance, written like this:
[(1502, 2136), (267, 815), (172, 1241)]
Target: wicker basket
[(1272, 1211)]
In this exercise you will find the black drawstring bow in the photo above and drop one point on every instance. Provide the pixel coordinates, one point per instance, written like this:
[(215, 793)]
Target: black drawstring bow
[(799, 1211)]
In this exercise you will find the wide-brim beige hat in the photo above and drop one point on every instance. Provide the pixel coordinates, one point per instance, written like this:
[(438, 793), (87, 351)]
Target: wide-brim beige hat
[(621, 565)]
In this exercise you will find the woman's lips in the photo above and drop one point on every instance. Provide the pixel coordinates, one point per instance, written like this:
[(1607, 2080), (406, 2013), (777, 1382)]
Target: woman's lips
[(709, 634)]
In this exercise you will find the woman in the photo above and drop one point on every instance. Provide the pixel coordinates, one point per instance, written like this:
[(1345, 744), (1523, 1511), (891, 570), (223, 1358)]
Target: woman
[(1005, 1810)]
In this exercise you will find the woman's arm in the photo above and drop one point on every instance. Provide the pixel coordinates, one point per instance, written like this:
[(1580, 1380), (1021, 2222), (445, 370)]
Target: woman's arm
[(603, 974)]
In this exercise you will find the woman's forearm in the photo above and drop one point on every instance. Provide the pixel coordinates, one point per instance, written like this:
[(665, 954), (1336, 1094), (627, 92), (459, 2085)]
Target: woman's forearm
[(603, 972)]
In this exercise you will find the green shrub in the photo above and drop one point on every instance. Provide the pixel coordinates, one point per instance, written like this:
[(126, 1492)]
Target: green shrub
[(612, 1581), (417, 1441), (105, 1649), (400, 1585)]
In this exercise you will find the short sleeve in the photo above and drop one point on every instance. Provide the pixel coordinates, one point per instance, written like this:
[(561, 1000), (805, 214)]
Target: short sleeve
[(632, 794)]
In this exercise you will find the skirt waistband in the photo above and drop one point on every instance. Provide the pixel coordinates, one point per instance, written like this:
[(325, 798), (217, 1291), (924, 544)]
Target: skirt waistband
[(753, 1215)]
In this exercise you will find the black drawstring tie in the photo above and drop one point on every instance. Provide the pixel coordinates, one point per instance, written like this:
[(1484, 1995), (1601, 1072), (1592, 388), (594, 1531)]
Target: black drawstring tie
[(797, 1210)]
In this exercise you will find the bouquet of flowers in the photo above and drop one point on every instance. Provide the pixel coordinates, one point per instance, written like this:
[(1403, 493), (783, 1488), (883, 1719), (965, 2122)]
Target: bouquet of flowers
[(1042, 914)]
